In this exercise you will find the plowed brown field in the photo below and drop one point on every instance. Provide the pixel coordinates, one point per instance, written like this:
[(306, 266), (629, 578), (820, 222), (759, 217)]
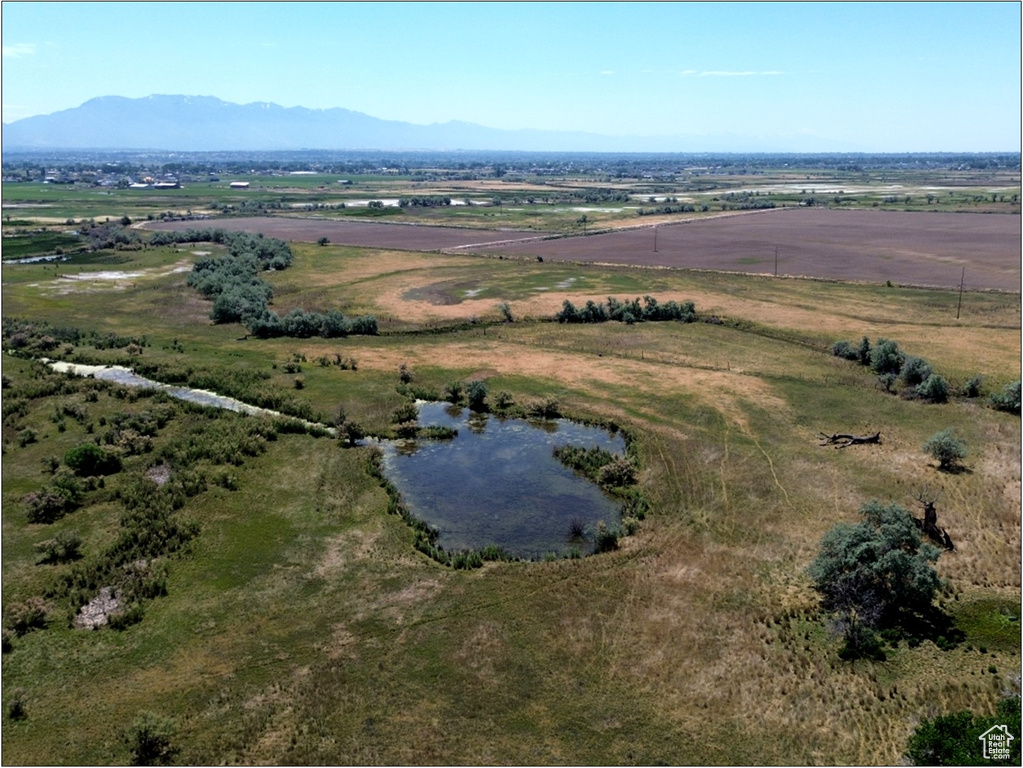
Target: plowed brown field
[(926, 249)]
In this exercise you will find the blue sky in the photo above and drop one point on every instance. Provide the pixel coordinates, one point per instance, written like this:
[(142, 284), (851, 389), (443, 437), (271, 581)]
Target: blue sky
[(840, 76)]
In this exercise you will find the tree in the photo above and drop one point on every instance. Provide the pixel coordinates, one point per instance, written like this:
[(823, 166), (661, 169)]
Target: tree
[(323, 241), (948, 449), (954, 739), (89, 459), (876, 572)]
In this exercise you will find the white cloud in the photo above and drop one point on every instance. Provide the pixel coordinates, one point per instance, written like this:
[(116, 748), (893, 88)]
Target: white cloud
[(737, 73), (607, 72), (18, 50), (687, 72)]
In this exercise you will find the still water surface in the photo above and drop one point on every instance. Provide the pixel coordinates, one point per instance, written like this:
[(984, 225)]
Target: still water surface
[(498, 483)]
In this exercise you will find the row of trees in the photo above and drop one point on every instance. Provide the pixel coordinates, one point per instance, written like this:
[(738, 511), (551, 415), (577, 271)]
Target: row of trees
[(913, 376), (628, 312), (301, 324), (893, 366), (430, 201)]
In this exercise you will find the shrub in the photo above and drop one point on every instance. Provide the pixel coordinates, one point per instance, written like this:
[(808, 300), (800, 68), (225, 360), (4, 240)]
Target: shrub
[(506, 312), (89, 459), (886, 357), (64, 548), (845, 350), (404, 374), (29, 615), (605, 538), (453, 392), (404, 413), (149, 739), (546, 408), (864, 351), (350, 432), (1008, 399), (617, 473), (407, 429), (972, 387), (946, 448), (503, 401), (914, 371), (934, 389), (476, 393)]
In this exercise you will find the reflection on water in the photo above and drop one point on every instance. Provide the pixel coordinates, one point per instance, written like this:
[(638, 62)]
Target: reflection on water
[(498, 483)]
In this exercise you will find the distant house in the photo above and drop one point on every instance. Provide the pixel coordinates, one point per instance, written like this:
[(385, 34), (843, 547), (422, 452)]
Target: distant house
[(239, 185), (167, 185), (138, 185)]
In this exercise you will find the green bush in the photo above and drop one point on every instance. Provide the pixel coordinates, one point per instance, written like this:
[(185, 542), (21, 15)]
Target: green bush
[(405, 413), (933, 389), (503, 401), (948, 449), (845, 350), (476, 393), (886, 357), (914, 371), (89, 459), (605, 537), (1008, 399), (954, 739), (64, 548), (453, 392), (28, 615), (617, 473)]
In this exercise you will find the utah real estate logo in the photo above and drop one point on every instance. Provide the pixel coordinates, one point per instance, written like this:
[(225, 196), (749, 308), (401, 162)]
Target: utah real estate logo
[(996, 742)]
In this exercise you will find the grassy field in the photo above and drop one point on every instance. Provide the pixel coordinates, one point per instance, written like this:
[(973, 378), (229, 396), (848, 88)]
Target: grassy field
[(300, 625)]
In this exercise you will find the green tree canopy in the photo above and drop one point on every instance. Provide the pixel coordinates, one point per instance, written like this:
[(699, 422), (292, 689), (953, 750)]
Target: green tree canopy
[(876, 570)]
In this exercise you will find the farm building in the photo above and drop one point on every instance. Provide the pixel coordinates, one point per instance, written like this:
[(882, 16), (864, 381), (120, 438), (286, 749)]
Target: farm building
[(239, 185)]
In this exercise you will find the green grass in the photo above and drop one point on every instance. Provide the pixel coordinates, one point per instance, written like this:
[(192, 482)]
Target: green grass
[(301, 626), (42, 244)]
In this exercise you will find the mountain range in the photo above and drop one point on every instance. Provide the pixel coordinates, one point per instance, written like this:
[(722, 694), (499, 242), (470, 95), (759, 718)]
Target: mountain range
[(206, 123)]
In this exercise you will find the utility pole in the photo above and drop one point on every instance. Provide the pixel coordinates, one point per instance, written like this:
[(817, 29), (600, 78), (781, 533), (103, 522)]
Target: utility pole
[(776, 261), (655, 238), (961, 281)]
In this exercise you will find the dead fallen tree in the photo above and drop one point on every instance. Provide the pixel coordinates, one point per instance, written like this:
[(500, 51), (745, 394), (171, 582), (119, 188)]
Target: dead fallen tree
[(840, 440)]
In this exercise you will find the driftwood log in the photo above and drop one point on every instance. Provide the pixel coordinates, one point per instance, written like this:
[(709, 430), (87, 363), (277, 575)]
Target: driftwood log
[(929, 525), (844, 441)]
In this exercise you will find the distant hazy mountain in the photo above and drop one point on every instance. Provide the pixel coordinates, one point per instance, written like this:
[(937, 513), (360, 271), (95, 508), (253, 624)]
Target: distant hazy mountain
[(205, 123)]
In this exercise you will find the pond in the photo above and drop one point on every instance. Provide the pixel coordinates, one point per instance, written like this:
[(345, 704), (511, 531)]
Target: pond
[(498, 482)]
